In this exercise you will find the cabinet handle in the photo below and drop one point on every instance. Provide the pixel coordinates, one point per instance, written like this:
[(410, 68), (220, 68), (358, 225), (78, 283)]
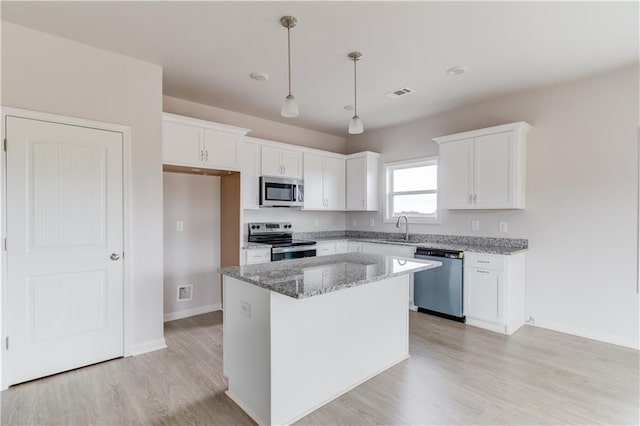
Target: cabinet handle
[(497, 297), (470, 198), (475, 198), (284, 169), (482, 272), (362, 203), (201, 155), (483, 261), (206, 155)]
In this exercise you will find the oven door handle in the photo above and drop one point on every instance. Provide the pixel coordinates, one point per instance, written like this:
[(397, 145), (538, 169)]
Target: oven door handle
[(278, 250)]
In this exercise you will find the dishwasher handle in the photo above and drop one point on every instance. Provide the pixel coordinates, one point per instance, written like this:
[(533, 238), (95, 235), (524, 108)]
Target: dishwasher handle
[(450, 254)]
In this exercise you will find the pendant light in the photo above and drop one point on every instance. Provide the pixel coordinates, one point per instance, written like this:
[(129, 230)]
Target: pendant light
[(289, 106), (355, 125)]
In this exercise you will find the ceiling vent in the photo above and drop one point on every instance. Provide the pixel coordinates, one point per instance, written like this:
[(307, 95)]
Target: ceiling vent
[(395, 94)]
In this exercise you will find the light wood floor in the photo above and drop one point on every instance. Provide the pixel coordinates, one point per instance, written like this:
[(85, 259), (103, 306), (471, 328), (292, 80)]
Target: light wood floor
[(456, 375)]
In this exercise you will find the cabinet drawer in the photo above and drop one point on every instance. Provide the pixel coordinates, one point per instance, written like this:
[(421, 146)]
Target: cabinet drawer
[(484, 260), (325, 249), (258, 255)]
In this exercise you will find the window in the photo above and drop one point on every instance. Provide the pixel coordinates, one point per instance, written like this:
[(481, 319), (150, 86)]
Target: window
[(411, 189)]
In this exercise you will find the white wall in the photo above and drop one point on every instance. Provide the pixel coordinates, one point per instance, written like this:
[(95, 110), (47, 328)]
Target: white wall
[(582, 194), (303, 221), (45, 73), (191, 256), (260, 127)]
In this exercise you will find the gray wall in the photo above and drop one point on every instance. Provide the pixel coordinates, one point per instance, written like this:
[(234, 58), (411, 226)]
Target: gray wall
[(582, 194), (191, 256)]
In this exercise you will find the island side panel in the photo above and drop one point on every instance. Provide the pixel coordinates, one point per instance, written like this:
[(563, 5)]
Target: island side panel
[(246, 340), (325, 345)]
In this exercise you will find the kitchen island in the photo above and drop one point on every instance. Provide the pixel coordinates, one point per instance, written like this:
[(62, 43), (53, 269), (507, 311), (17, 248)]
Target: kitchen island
[(299, 333)]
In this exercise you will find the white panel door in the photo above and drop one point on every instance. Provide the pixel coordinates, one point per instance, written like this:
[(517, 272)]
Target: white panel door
[(182, 144), (314, 182), (356, 175), (64, 222), (456, 166), (493, 174), (334, 183)]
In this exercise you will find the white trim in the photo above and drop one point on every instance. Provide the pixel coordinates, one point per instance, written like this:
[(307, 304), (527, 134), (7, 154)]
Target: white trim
[(181, 119), (587, 334), (244, 408), (291, 147), (150, 346), (127, 220), (186, 313), (519, 126)]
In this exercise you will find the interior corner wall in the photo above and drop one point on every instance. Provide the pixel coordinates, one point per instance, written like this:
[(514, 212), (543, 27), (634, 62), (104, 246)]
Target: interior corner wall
[(45, 73), (192, 255), (582, 198)]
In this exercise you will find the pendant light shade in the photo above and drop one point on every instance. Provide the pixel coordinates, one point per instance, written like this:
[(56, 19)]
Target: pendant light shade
[(289, 106), (355, 125)]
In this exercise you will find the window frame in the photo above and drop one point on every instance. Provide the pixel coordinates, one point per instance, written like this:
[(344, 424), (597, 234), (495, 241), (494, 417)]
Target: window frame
[(387, 193)]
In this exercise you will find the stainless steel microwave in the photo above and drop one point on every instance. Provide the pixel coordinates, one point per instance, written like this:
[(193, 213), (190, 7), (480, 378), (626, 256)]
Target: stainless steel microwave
[(281, 192)]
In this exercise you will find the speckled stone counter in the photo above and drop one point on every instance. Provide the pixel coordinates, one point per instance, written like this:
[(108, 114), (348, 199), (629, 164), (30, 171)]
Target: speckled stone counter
[(318, 275)]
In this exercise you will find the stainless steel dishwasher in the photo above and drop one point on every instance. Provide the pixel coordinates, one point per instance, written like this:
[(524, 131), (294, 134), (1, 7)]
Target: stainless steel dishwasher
[(438, 291)]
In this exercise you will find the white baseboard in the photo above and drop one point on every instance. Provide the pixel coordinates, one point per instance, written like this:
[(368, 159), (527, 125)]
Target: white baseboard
[(588, 334), (150, 346), (171, 316), (250, 413)]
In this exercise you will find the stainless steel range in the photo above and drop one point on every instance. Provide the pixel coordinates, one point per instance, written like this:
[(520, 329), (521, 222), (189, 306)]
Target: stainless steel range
[(280, 236)]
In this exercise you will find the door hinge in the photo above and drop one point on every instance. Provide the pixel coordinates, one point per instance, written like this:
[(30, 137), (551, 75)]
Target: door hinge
[(6, 342)]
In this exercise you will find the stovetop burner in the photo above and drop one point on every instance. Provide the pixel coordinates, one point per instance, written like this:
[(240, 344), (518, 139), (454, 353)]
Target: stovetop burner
[(278, 234)]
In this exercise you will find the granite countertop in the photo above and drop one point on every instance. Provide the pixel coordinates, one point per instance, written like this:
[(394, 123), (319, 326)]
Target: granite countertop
[(313, 276)]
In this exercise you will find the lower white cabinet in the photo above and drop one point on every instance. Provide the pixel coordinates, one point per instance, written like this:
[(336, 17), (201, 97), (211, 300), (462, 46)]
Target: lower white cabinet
[(354, 247), (252, 256), (494, 291), (326, 248), (388, 249)]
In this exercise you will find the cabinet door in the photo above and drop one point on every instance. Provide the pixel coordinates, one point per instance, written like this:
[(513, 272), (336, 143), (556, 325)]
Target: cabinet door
[(493, 174), (353, 247), (250, 170), (291, 162), (182, 144), (325, 249), (313, 182), (456, 165), (341, 247), (220, 149), (334, 183), (356, 186), (271, 161), (483, 294)]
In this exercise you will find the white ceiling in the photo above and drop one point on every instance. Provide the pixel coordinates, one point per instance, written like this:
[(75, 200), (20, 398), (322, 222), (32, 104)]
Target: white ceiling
[(208, 50)]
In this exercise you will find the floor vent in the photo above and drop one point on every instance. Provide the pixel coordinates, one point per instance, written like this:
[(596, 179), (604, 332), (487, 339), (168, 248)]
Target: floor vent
[(395, 94)]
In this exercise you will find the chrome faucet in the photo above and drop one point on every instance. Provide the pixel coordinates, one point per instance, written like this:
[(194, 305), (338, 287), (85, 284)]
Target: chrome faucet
[(406, 226)]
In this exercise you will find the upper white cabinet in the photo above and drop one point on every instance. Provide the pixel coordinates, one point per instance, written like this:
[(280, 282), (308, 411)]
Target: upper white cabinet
[(249, 159), (324, 182), (363, 171), (192, 142), (281, 162), (484, 169)]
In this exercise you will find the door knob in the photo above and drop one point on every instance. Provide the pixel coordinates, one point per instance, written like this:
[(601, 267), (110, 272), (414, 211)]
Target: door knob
[(115, 256)]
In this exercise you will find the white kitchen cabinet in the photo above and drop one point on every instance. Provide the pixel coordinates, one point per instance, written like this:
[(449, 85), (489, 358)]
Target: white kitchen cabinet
[(326, 248), (354, 247), (484, 169), (324, 182), (494, 291), (252, 256), (191, 142), (362, 178), (249, 158), (389, 249), (282, 162)]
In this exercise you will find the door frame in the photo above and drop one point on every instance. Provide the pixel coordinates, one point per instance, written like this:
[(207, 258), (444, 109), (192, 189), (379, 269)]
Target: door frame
[(127, 221)]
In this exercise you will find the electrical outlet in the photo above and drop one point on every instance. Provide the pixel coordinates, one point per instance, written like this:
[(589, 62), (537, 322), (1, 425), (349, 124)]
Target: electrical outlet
[(475, 225), (354, 222), (179, 226), (504, 227), (245, 308), (185, 292), (532, 319), (317, 223), (372, 222)]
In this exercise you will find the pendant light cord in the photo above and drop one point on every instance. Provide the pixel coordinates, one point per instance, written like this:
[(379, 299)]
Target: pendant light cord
[(355, 88), (289, 54)]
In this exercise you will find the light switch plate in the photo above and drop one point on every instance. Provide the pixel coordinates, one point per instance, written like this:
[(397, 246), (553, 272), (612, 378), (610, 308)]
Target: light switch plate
[(372, 222), (317, 223), (245, 308), (179, 226), (354, 222), (504, 227), (475, 225)]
